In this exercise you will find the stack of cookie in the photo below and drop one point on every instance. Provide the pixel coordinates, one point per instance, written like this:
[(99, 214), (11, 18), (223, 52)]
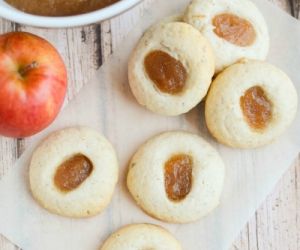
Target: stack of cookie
[(215, 51), (249, 103)]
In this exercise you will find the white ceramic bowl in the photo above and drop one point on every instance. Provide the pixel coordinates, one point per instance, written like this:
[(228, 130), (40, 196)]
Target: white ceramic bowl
[(12, 14)]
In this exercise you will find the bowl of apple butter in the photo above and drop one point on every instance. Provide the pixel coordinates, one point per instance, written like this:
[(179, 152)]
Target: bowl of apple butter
[(62, 13)]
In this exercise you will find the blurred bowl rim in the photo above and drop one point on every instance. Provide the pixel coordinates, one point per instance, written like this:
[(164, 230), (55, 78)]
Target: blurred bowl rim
[(10, 13)]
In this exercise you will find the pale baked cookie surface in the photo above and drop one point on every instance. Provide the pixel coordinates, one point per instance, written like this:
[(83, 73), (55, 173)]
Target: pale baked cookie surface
[(171, 68), (250, 104), (73, 172), (141, 237), (176, 177), (235, 28)]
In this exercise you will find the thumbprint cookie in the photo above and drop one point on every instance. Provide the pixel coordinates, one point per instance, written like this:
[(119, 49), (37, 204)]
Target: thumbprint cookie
[(176, 177), (73, 172), (141, 237), (250, 104), (171, 68), (235, 28)]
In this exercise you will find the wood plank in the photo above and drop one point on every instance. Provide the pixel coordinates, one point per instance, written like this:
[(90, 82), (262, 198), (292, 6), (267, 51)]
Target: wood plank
[(275, 225), (295, 8)]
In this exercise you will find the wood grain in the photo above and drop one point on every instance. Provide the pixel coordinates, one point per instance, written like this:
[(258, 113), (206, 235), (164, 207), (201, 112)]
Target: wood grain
[(295, 8), (276, 224)]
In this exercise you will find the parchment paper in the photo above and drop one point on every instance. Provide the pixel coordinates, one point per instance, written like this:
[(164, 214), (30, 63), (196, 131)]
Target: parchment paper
[(107, 104)]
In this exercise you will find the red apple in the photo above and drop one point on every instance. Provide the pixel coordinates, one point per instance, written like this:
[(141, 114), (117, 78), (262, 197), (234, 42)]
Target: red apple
[(33, 83)]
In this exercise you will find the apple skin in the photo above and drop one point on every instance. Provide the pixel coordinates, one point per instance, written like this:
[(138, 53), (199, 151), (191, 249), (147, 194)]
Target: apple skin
[(33, 83)]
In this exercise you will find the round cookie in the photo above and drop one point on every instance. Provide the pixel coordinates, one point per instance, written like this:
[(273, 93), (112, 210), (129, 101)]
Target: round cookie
[(250, 104), (176, 177), (141, 237), (73, 172), (236, 29), (171, 68)]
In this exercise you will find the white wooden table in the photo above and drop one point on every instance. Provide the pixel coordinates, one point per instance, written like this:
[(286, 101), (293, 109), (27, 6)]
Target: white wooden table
[(276, 224)]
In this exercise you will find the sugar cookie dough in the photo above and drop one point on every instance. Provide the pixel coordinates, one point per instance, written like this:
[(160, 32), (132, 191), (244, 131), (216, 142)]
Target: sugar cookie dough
[(250, 104), (171, 68), (73, 172), (176, 177), (236, 29), (141, 237)]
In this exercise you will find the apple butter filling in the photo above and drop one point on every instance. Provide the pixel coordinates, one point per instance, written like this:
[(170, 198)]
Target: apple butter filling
[(59, 7), (234, 29), (178, 176), (72, 172), (256, 107), (168, 74)]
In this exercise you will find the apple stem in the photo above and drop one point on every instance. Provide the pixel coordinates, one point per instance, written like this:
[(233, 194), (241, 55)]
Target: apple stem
[(27, 68)]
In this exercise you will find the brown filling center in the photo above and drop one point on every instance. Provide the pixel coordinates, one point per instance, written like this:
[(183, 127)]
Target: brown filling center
[(256, 107), (178, 176), (168, 74), (234, 29), (72, 172)]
